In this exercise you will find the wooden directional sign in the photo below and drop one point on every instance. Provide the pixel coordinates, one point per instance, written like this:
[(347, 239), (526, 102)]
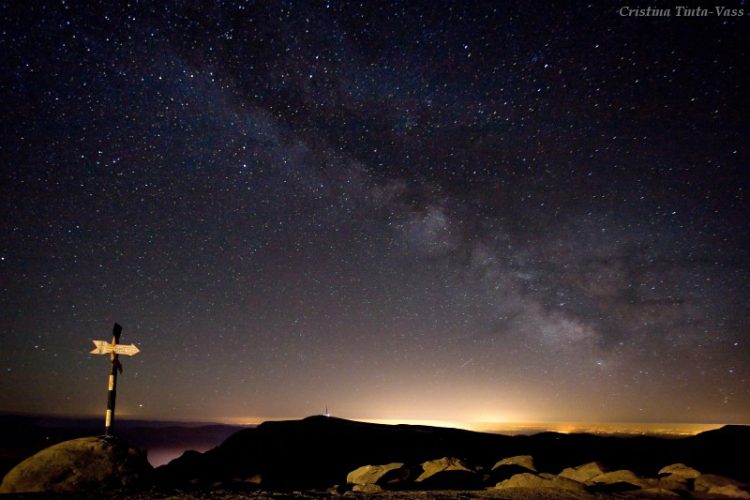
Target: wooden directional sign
[(104, 347), (114, 349)]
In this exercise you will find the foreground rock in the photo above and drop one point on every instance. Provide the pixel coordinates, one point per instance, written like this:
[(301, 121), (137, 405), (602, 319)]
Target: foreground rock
[(621, 480), (509, 467), (679, 470), (367, 488), (584, 473), (447, 473), (677, 477), (84, 464), (525, 461), (390, 475), (528, 480), (714, 484), (675, 483)]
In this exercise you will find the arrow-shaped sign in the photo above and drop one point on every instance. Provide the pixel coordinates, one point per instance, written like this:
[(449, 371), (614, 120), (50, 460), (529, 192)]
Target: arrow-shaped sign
[(104, 347), (127, 349)]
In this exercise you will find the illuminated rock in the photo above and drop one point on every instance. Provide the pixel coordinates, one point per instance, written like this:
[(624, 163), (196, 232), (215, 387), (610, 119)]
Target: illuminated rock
[(389, 474), (525, 461), (675, 482), (528, 480), (622, 480), (680, 470), (728, 491), (367, 488), (509, 467), (84, 464), (583, 473), (711, 483), (447, 473)]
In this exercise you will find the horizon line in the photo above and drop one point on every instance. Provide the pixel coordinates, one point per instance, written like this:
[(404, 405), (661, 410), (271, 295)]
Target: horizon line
[(490, 426)]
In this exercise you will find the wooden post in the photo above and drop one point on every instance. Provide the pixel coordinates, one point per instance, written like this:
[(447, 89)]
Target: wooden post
[(112, 388), (114, 349)]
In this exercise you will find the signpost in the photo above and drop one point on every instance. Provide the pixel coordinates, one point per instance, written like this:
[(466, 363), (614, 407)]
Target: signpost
[(114, 349)]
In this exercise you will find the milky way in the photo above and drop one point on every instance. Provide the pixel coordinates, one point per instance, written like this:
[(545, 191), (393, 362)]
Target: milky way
[(399, 210)]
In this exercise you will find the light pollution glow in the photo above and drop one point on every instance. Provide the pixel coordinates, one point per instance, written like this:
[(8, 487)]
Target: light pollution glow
[(528, 428)]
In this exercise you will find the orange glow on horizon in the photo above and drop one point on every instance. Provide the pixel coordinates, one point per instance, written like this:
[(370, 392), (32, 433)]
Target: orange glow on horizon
[(520, 427)]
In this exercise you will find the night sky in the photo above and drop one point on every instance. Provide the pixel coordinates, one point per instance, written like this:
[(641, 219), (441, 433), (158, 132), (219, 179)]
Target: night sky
[(469, 211)]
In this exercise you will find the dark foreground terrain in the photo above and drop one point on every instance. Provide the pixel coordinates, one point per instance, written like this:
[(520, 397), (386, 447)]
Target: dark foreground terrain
[(321, 457), (318, 452), (222, 494)]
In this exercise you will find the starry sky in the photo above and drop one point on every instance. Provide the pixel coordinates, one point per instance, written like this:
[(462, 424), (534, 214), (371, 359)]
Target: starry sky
[(457, 211)]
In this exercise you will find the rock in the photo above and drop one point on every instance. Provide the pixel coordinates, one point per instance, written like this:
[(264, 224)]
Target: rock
[(90, 463), (447, 473), (679, 470), (528, 480), (525, 461), (620, 480), (367, 488), (728, 491), (583, 473), (705, 482), (392, 473), (445, 464), (674, 482), (509, 467), (616, 476)]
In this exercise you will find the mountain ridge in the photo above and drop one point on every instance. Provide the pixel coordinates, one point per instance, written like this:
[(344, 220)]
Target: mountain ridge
[(319, 451)]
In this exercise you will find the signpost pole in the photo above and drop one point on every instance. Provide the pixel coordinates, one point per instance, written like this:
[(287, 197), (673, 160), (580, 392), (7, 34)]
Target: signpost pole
[(114, 349), (112, 392)]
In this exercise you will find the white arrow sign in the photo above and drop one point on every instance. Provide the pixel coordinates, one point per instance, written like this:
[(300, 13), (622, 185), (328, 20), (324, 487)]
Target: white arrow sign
[(104, 347)]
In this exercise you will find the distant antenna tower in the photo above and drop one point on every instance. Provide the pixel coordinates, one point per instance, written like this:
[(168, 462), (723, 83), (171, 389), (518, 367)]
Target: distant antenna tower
[(327, 413)]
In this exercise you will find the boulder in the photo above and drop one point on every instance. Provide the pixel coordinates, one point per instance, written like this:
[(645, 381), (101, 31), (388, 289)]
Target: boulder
[(679, 470), (620, 480), (728, 491), (675, 482), (447, 473), (525, 461), (509, 467), (84, 464), (706, 482), (528, 480), (388, 474), (583, 473), (367, 488)]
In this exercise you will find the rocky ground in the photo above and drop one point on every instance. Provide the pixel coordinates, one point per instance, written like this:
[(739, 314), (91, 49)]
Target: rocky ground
[(223, 494), (302, 459)]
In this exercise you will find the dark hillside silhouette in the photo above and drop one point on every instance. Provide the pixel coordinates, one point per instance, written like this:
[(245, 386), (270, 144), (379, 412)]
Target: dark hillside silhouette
[(319, 451)]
